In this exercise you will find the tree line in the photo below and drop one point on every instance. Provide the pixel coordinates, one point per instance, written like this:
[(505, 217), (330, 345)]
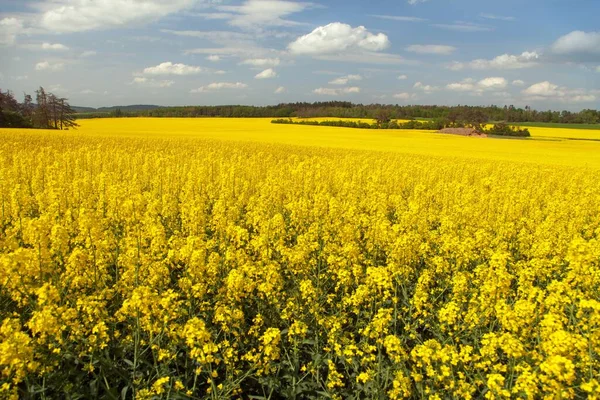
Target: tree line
[(342, 109), (48, 112), (498, 129)]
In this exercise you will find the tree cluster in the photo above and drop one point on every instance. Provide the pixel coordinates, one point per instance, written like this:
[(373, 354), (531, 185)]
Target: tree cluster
[(423, 125), (502, 129), (48, 112), (340, 109)]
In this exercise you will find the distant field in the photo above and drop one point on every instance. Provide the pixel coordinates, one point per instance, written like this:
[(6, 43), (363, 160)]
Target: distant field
[(548, 145), (562, 126)]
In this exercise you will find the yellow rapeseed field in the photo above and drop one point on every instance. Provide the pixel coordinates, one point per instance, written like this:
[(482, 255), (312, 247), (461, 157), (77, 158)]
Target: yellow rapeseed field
[(218, 258)]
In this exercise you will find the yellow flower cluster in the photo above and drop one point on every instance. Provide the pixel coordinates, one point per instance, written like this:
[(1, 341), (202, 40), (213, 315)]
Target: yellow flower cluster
[(181, 267)]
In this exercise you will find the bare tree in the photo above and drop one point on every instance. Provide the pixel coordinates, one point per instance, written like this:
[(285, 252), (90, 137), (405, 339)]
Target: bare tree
[(53, 112), (42, 112)]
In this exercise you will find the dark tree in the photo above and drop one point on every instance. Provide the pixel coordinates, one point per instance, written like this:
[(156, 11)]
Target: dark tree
[(383, 117)]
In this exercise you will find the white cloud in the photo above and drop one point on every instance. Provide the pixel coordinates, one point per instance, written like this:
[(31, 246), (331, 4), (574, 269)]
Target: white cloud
[(578, 43), (256, 14), (336, 38), (45, 47), (549, 91), (461, 26), (21, 78), (425, 88), (402, 77), (469, 85), (518, 82), (215, 86), (266, 74), (143, 81), (497, 17), (88, 53), (213, 58), (61, 16), (466, 85), (493, 83), (220, 72), (261, 62), (399, 18), (168, 68), (413, 2), (431, 49), (87, 91), (54, 46), (9, 29), (336, 92), (47, 66), (403, 96), (343, 80), (504, 61), (280, 90)]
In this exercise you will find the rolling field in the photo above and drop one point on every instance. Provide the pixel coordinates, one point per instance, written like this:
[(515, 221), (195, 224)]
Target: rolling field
[(234, 258), (551, 148)]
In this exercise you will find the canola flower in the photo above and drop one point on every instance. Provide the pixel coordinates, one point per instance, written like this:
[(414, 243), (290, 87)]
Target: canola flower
[(180, 266)]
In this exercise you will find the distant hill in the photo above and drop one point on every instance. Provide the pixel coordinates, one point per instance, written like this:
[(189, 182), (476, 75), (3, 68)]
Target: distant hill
[(131, 108)]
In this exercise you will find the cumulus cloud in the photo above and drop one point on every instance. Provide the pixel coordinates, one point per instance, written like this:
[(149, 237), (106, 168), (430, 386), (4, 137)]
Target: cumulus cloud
[(338, 38), (518, 82), (54, 46), (504, 61), (9, 29), (148, 82), (470, 85), (337, 91), (62, 16), (215, 86), (425, 88), (578, 46), (213, 58), (343, 80), (493, 83), (266, 74), (431, 49), (280, 90), (402, 96), (261, 62), (550, 91), (168, 68), (402, 77), (48, 66)]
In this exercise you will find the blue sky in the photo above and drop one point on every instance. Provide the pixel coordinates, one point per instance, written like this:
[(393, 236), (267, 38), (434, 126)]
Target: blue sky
[(542, 53)]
